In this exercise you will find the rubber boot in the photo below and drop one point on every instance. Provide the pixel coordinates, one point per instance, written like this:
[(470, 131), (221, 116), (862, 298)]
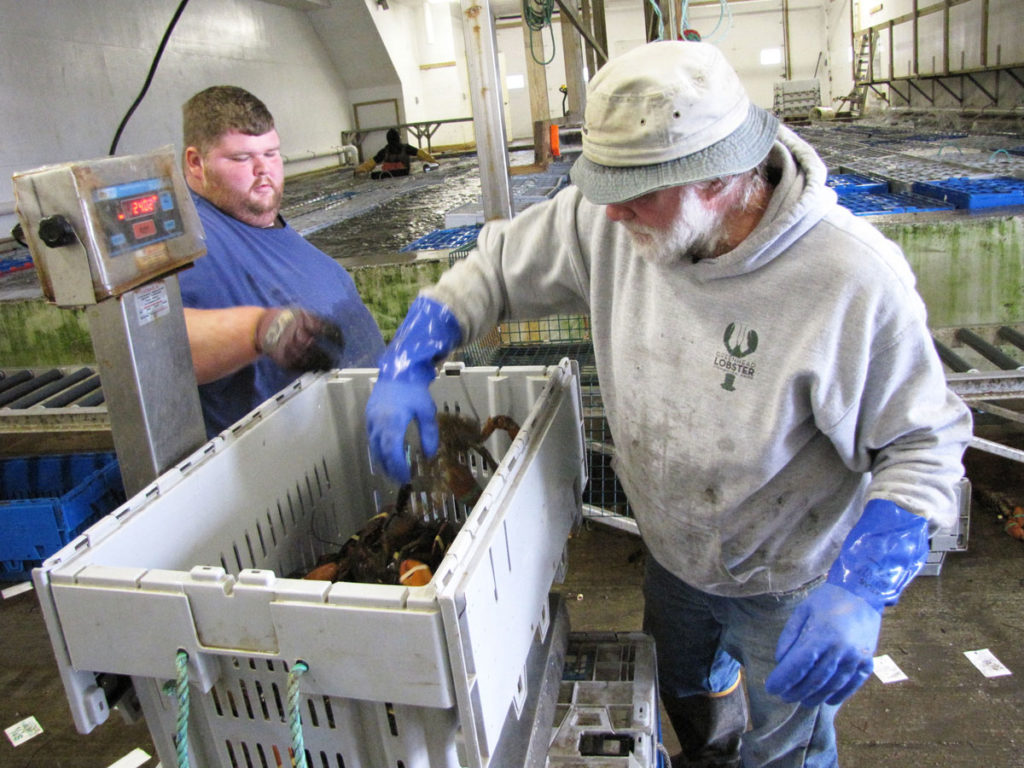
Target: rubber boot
[(709, 728)]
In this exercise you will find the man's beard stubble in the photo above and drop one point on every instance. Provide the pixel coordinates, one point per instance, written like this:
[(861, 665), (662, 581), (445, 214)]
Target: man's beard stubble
[(242, 206)]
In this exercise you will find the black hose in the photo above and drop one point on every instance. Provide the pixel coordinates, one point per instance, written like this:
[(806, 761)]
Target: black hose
[(149, 77)]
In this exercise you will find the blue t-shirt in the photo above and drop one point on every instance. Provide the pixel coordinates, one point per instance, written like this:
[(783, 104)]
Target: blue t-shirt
[(252, 266)]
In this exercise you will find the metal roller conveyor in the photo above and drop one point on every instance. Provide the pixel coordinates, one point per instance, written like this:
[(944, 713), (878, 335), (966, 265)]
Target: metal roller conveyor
[(55, 410)]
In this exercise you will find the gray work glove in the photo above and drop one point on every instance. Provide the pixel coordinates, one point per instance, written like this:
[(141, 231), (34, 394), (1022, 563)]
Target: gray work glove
[(298, 340)]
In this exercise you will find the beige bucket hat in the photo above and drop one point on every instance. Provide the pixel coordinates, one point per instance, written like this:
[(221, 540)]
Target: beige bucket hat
[(664, 114)]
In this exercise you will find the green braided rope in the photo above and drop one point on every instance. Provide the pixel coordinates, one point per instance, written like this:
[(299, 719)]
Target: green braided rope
[(295, 714), (537, 15), (181, 692)]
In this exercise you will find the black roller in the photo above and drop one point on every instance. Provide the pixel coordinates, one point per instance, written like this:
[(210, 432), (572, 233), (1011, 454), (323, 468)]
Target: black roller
[(991, 352), (70, 395), (956, 363), (31, 384), (96, 398), (1013, 336), (50, 388), (12, 379)]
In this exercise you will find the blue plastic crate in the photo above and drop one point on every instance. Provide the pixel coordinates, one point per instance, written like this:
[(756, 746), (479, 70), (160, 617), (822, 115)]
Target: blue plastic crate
[(45, 501), (848, 183), (877, 203), (444, 239), (974, 193), (15, 264)]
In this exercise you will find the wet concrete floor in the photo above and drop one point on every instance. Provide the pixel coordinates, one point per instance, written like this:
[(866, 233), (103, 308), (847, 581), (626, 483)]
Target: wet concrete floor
[(358, 220)]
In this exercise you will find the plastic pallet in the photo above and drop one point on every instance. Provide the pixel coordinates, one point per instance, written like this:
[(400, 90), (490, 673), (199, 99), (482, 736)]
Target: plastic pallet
[(45, 501), (444, 239), (607, 711), (974, 193), (902, 171), (208, 560), (878, 203), (847, 183)]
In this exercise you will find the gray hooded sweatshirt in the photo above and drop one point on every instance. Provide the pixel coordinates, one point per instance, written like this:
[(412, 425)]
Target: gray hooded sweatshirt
[(756, 400)]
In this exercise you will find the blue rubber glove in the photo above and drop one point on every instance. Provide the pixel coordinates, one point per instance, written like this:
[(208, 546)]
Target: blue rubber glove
[(825, 650), (402, 393)]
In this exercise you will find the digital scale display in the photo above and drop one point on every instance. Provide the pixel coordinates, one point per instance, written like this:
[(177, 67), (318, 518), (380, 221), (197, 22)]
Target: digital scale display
[(139, 206), (137, 214)]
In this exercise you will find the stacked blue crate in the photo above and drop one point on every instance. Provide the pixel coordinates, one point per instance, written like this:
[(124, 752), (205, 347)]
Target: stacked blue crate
[(849, 183), (878, 203), (974, 193), (46, 501), (444, 239)]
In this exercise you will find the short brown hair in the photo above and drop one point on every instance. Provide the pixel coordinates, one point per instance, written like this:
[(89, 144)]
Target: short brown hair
[(211, 113)]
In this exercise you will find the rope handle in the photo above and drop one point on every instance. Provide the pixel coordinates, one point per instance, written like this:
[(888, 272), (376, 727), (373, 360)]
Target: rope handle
[(298, 669)]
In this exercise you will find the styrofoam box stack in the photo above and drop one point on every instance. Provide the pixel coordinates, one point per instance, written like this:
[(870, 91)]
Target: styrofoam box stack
[(398, 676)]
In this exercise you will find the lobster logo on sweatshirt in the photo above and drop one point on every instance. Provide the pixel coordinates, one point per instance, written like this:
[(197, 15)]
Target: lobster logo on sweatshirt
[(739, 343)]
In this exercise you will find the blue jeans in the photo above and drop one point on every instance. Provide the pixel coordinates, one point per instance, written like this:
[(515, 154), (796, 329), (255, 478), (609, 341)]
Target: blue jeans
[(702, 640)]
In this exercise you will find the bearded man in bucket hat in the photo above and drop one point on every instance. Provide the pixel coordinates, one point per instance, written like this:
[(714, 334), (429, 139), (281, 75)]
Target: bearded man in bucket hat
[(781, 420)]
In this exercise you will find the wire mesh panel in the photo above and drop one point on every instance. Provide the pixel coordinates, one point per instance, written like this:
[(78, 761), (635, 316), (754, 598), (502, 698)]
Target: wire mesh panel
[(537, 342)]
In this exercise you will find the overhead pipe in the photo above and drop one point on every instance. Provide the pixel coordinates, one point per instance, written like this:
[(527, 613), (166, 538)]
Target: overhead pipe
[(342, 153)]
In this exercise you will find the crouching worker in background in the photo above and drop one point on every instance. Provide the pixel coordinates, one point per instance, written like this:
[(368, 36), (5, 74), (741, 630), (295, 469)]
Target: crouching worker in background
[(781, 420), (263, 305), (395, 159)]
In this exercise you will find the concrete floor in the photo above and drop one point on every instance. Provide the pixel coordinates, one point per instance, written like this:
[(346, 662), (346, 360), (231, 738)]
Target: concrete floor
[(947, 714)]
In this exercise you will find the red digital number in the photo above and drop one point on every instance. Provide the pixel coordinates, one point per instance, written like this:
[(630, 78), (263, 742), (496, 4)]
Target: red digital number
[(140, 206), (143, 205)]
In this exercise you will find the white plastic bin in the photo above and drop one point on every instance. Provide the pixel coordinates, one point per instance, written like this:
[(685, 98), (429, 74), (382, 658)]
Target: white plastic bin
[(398, 676)]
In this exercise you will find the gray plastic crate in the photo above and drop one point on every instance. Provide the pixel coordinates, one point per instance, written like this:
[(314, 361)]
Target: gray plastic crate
[(607, 711), (955, 538), (200, 561)]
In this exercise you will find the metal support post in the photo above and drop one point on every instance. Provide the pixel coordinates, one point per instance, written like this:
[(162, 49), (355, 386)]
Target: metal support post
[(145, 364), (488, 115)]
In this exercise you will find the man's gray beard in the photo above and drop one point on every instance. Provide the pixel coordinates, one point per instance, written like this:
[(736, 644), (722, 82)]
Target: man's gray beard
[(696, 232)]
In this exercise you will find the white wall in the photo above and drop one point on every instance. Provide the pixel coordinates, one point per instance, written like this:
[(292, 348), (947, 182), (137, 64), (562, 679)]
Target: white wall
[(752, 27), (1005, 44), (840, 51), (71, 69), (741, 34)]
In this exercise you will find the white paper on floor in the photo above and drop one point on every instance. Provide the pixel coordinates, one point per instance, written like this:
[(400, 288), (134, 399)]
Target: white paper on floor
[(133, 759), (987, 663), (887, 670), (24, 730)]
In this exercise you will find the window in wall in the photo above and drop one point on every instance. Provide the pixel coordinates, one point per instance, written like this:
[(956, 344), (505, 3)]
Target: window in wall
[(515, 82), (770, 56)]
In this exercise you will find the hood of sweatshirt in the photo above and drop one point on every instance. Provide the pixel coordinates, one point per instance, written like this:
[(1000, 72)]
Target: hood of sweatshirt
[(800, 200)]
